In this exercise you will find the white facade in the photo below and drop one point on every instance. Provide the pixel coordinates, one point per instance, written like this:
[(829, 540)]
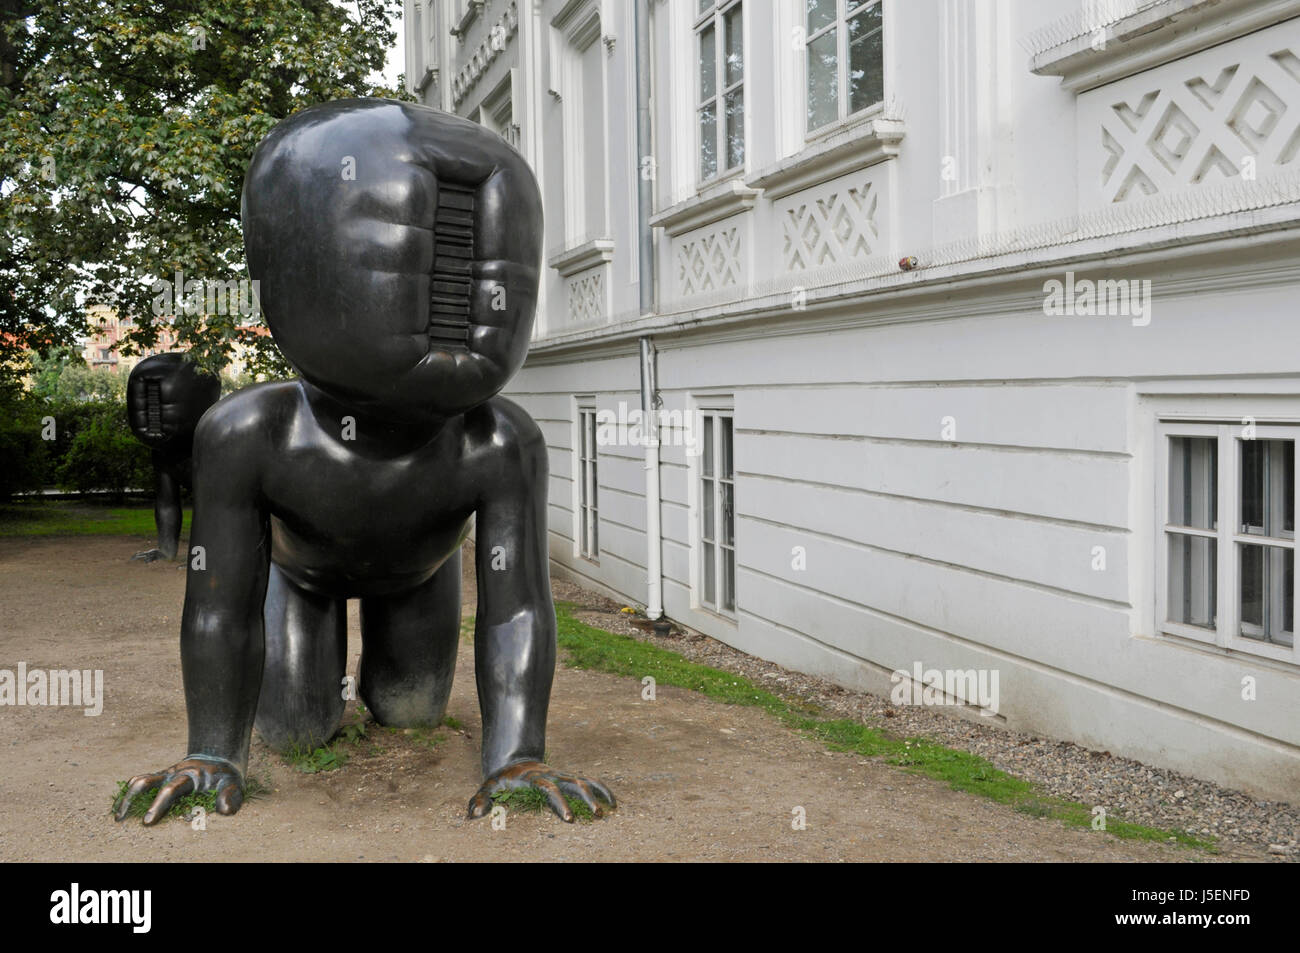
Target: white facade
[(1019, 454)]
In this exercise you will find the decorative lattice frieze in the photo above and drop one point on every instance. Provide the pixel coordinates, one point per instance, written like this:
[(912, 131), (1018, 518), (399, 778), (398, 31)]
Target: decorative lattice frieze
[(708, 260), (831, 224), (1231, 112), (587, 296)]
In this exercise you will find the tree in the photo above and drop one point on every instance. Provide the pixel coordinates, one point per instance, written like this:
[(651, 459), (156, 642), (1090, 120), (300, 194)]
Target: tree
[(64, 375), (125, 130)]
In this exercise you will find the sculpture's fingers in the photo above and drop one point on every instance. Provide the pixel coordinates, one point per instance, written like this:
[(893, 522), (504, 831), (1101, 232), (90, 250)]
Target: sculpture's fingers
[(230, 797), (135, 787), (555, 797), (178, 786), (576, 787), (601, 791)]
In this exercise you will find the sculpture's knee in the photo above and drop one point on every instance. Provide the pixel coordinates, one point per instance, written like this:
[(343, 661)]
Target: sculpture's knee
[(405, 702)]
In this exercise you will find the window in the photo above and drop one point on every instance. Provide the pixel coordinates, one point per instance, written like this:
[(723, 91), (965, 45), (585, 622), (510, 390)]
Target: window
[(580, 60), (717, 509), (720, 45), (497, 111), (1228, 547), (587, 534), (845, 50)]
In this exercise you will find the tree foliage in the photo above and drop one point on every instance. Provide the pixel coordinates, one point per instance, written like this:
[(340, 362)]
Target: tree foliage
[(126, 127)]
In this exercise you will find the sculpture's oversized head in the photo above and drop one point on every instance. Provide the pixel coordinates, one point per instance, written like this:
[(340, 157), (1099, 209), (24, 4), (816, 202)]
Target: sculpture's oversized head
[(165, 397), (397, 251)]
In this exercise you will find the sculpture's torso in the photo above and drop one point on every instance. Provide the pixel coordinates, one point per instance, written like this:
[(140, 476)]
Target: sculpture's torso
[(378, 534)]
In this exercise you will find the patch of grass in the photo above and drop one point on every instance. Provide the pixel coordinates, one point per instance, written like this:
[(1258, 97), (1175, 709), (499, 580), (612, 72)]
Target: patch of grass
[(77, 518), (592, 648), (455, 724), (331, 756), (533, 801), (253, 788), (328, 757)]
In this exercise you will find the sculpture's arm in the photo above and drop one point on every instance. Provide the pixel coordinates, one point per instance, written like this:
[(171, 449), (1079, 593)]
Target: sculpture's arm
[(514, 633), (221, 624)]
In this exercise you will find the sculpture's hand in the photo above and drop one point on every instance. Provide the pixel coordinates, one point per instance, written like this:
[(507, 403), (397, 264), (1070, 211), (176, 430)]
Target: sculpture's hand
[(149, 555), (554, 784), (191, 776)]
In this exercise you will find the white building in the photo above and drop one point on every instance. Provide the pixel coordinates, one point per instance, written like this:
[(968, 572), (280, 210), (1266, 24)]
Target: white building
[(1062, 446)]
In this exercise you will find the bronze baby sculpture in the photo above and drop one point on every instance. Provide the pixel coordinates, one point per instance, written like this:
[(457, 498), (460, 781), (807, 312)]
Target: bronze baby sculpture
[(166, 395), (398, 250)]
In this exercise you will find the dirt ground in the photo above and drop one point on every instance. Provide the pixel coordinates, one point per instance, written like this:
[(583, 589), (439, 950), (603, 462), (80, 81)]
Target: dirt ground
[(696, 780)]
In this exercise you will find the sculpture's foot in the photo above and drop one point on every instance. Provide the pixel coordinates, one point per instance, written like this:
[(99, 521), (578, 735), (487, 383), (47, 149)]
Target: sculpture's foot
[(149, 555), (556, 785)]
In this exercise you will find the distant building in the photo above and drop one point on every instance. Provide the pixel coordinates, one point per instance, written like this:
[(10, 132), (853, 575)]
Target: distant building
[(977, 325), (100, 348)]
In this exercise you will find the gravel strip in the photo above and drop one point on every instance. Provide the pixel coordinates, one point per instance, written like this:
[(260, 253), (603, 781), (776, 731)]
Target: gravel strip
[(1127, 789)]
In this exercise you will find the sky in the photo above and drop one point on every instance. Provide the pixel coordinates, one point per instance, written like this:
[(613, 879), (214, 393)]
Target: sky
[(396, 55)]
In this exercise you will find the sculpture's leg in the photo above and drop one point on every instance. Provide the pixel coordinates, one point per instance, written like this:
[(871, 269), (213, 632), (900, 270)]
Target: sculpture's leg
[(408, 649), (301, 703)]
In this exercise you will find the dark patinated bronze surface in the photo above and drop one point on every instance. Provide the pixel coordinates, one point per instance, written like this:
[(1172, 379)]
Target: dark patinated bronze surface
[(397, 249), (166, 395)]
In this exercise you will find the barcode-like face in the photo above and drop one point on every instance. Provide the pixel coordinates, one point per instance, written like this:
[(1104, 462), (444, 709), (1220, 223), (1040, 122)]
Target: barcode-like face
[(153, 408), (449, 289)]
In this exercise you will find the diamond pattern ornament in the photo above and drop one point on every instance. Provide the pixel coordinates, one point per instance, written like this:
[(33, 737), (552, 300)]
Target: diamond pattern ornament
[(1208, 118), (836, 227), (709, 261), (587, 296)]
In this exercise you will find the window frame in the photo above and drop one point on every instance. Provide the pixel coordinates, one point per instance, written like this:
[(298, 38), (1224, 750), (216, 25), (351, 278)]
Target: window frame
[(715, 17), (715, 409), (586, 482), (839, 24), (1228, 534)]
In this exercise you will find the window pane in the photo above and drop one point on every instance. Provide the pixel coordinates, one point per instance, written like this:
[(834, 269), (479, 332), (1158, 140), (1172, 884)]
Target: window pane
[(734, 54), (728, 513), (1268, 487), (707, 511), (728, 579), (708, 446), (1193, 578), (725, 469), (735, 108), (1267, 593), (709, 141), (1252, 585), (866, 60), (708, 65), (823, 81), (705, 5), (1193, 482), (820, 13), (710, 575)]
